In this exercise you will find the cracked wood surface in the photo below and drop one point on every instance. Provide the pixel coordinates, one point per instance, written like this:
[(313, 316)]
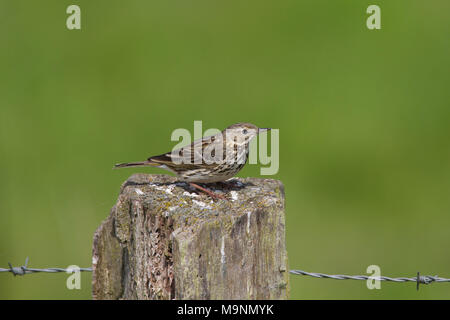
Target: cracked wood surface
[(162, 240)]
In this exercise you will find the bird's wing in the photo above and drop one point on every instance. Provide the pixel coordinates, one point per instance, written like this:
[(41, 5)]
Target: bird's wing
[(188, 157)]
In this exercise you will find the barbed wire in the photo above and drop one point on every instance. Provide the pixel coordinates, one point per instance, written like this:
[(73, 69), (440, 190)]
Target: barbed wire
[(22, 270), (418, 279)]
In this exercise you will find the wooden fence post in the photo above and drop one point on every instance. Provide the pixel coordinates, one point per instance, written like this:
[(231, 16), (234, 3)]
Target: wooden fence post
[(162, 240)]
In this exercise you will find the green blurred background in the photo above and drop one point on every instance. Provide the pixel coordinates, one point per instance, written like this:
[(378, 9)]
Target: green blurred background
[(364, 119)]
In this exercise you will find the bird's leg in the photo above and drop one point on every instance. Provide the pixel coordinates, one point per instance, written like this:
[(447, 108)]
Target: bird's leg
[(209, 192)]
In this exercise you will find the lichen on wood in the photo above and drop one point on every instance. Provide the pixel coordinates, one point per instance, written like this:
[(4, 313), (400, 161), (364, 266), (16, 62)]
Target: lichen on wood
[(163, 240)]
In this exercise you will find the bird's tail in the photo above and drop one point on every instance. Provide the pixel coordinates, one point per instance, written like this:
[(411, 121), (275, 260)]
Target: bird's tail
[(135, 164)]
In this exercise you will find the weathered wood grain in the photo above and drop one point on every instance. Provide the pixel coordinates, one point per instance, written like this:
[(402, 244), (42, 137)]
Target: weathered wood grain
[(162, 240)]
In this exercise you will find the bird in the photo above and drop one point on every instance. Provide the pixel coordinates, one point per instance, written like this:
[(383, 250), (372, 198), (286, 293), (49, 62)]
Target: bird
[(210, 159)]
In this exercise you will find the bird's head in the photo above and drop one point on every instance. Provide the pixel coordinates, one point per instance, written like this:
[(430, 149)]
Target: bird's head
[(244, 132)]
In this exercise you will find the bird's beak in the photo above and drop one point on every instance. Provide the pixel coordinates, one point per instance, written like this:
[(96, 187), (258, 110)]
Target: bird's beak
[(260, 130)]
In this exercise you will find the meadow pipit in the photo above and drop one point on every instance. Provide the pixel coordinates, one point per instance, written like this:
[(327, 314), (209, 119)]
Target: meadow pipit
[(207, 160)]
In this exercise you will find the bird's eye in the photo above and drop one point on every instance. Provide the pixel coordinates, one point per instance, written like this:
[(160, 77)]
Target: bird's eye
[(244, 131)]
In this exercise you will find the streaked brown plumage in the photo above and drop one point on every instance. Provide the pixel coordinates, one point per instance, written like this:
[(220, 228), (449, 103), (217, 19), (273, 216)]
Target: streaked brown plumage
[(209, 159)]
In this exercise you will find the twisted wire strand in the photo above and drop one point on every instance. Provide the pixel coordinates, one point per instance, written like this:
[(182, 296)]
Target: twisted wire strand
[(418, 279), (22, 270)]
